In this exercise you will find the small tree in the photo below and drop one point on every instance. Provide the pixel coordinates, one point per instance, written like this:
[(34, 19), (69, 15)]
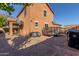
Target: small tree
[(2, 20), (7, 7)]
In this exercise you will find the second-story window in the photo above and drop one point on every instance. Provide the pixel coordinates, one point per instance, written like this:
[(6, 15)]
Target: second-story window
[(24, 11), (45, 13)]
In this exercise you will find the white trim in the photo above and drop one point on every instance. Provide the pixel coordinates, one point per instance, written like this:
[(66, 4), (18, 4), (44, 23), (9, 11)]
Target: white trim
[(45, 9), (46, 23)]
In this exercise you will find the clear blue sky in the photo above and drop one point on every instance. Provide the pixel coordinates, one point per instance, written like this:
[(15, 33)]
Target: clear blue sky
[(64, 13)]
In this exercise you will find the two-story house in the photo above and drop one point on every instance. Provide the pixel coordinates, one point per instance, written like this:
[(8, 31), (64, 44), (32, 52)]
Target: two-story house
[(35, 17)]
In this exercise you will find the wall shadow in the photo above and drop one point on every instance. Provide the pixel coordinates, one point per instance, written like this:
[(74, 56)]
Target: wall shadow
[(5, 48)]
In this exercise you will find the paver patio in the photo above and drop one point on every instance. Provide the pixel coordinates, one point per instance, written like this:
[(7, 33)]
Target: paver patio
[(55, 46)]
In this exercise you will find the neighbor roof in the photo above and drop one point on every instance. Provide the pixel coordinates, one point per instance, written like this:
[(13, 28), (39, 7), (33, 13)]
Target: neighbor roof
[(25, 6), (56, 23)]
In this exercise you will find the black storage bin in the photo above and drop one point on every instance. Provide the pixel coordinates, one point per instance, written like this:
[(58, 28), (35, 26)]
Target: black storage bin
[(73, 39)]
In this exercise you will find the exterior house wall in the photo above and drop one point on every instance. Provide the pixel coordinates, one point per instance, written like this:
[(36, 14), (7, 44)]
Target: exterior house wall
[(35, 13), (26, 25)]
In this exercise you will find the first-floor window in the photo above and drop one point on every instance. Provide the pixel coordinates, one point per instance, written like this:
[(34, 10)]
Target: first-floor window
[(46, 26), (36, 24)]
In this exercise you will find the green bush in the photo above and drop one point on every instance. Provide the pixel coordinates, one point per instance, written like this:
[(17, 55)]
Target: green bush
[(2, 20)]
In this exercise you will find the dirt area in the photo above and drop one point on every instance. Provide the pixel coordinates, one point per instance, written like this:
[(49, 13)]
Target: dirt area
[(34, 40)]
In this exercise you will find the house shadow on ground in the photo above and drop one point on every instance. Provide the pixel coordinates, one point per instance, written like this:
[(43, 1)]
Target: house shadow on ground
[(54, 46), (6, 49), (39, 49)]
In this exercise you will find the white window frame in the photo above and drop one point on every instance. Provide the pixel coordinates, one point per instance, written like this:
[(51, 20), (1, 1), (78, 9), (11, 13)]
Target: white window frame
[(46, 23), (38, 24)]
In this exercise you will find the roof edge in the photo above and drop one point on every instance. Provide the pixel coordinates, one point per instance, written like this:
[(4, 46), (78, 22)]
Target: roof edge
[(25, 6), (20, 11), (50, 7)]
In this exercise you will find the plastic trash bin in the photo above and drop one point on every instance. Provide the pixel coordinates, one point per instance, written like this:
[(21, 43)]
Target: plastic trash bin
[(73, 38)]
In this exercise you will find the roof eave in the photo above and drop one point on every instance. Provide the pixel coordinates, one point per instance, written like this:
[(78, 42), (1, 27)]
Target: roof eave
[(50, 8), (25, 6), (21, 11)]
